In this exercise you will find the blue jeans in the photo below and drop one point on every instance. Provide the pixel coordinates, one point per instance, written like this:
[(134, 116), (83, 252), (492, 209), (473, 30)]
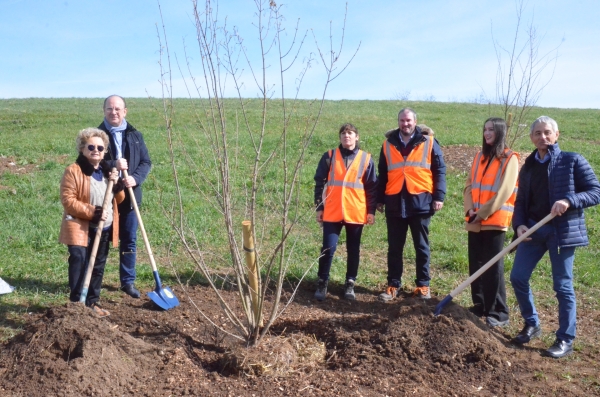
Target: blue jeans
[(397, 229), (528, 255), (331, 235), (128, 224)]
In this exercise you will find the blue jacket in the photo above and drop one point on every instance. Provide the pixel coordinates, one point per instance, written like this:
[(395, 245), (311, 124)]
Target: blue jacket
[(404, 204), (570, 177), (138, 159)]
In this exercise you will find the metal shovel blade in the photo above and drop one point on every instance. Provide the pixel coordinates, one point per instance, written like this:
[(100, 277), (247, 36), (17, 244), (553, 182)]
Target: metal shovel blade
[(162, 296), (440, 306), (5, 288)]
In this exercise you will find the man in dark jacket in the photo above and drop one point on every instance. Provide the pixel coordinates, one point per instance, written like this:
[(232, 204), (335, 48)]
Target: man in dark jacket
[(561, 183), (412, 187), (127, 152)]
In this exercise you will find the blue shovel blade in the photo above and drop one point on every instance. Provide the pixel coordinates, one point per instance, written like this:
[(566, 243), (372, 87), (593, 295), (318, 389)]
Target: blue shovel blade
[(440, 306), (164, 298)]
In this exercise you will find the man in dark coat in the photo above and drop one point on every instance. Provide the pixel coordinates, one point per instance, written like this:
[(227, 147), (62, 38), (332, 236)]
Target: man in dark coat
[(561, 183), (127, 152), (412, 187)]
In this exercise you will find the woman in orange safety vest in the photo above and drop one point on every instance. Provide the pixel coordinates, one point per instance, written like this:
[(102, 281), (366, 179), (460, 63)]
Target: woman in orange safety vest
[(345, 196), (489, 198)]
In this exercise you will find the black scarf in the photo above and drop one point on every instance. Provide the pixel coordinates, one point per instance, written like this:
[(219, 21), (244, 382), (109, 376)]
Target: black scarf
[(88, 169)]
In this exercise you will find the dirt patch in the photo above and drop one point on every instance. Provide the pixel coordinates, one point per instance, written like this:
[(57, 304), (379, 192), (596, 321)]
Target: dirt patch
[(9, 164), (459, 158), (372, 349)]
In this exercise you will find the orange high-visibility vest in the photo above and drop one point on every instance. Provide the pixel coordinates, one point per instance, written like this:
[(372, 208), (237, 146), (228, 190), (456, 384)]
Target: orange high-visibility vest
[(485, 183), (415, 169), (344, 197)]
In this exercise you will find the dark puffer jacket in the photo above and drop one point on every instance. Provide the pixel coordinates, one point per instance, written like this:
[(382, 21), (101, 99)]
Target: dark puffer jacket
[(570, 177), (138, 159)]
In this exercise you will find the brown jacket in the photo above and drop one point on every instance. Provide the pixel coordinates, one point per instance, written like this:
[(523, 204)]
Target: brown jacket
[(75, 198)]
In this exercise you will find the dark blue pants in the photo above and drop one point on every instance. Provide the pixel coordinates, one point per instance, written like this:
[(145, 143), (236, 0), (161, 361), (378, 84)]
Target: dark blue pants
[(488, 291), (397, 229), (128, 225), (78, 262), (331, 235)]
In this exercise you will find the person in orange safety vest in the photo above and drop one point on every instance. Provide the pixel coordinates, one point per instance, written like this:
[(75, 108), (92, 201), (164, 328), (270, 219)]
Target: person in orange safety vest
[(489, 200), (412, 187), (345, 196)]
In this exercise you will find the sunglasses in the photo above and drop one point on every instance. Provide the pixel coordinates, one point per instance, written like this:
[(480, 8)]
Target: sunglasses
[(91, 148)]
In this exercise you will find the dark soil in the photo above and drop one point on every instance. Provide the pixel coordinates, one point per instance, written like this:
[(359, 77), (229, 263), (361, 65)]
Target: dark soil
[(371, 349)]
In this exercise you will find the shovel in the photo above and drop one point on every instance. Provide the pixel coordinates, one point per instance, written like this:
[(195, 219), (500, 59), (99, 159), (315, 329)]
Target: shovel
[(108, 196), (163, 297), (467, 282), (5, 288)]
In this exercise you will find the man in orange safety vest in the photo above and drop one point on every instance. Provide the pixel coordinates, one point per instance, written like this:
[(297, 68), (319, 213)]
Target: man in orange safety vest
[(412, 187)]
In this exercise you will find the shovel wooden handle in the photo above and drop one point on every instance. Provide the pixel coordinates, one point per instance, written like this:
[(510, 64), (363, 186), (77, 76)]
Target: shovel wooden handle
[(495, 259), (141, 223), (108, 196)]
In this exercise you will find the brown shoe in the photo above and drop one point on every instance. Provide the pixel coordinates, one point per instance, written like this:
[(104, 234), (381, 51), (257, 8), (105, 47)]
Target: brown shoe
[(98, 311), (422, 292), (389, 294)]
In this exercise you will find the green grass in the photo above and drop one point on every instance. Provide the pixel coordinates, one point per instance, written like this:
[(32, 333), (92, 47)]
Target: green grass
[(39, 134)]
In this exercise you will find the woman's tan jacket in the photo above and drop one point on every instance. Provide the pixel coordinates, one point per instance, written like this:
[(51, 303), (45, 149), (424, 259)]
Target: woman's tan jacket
[(75, 198)]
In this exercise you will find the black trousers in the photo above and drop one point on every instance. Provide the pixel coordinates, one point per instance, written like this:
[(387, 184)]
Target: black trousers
[(397, 229), (331, 235), (78, 262), (488, 291)]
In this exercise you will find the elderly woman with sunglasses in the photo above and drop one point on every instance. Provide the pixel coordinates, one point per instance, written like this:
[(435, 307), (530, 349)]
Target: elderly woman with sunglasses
[(82, 191)]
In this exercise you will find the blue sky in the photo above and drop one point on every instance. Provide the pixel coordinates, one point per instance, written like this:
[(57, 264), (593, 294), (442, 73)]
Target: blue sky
[(420, 49)]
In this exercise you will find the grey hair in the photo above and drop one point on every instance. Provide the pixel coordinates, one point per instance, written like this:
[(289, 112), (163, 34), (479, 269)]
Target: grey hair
[(544, 119), (84, 136), (407, 110)]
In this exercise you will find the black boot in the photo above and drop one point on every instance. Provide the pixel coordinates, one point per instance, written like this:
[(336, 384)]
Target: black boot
[(349, 290), (321, 291)]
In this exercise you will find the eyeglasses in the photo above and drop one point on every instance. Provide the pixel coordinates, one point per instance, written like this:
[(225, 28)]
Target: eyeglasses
[(91, 148)]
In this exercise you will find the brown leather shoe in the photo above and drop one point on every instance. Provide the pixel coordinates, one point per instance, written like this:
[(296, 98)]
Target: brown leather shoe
[(389, 294), (422, 292), (98, 311)]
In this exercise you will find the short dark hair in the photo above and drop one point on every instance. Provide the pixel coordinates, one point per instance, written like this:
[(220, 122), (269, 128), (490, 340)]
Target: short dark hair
[(348, 126), (496, 149), (407, 110), (110, 96)]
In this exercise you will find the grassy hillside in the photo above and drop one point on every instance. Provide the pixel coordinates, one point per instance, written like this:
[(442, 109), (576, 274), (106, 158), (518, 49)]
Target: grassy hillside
[(38, 136)]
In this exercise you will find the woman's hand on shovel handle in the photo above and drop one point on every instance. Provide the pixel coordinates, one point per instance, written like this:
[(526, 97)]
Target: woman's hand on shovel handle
[(114, 176)]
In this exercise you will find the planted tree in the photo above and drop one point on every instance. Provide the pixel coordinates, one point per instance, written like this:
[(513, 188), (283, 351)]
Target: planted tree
[(245, 155), (523, 73)]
